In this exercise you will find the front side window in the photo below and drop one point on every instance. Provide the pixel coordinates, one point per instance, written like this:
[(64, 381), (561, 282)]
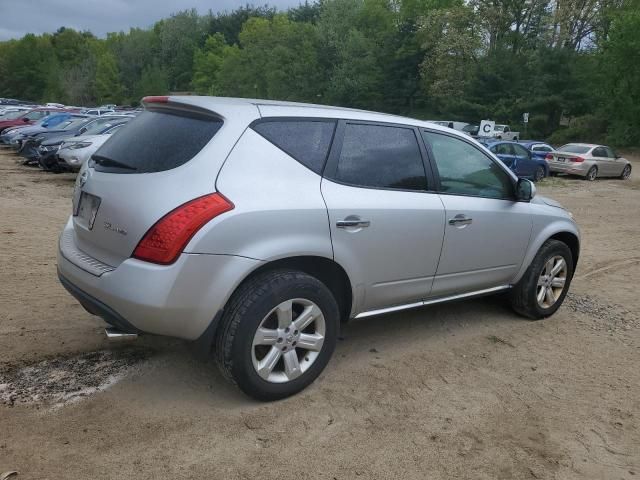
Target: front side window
[(520, 151), (307, 141), (599, 152), (609, 153), (503, 149), (379, 156), (465, 170)]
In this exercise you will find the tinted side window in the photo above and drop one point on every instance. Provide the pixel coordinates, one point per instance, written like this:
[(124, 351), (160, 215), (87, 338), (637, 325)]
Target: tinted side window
[(465, 170), (154, 142), (520, 151), (307, 141), (381, 157), (599, 152), (609, 152), (504, 149)]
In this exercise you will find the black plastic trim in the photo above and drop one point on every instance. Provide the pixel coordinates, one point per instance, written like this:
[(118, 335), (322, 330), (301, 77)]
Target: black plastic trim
[(96, 307)]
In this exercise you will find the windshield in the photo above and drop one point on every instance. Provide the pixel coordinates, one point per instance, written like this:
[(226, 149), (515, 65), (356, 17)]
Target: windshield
[(11, 115), (97, 126), (571, 148), (75, 123), (499, 128), (470, 128)]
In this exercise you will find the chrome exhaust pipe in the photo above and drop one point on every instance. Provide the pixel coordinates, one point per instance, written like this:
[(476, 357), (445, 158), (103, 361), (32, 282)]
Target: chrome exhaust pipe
[(115, 335)]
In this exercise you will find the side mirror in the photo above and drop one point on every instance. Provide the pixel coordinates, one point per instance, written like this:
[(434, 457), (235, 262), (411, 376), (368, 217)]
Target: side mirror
[(525, 190), (82, 130), (25, 120)]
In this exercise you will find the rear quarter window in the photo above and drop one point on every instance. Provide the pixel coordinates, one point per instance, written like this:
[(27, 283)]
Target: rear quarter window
[(307, 141), (156, 141)]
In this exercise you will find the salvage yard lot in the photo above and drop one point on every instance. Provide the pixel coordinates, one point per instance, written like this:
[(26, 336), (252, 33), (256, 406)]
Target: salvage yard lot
[(464, 390)]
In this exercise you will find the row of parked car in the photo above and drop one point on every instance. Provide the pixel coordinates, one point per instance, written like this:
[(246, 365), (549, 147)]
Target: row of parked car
[(535, 160), (58, 138)]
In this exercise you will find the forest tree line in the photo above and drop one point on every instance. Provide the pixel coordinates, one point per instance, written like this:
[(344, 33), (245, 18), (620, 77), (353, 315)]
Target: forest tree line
[(574, 65)]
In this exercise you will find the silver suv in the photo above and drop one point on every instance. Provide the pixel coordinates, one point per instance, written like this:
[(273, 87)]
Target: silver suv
[(256, 227)]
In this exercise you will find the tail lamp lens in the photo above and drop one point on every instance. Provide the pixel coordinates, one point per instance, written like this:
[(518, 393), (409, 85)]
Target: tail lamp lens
[(577, 159), (548, 156), (169, 236)]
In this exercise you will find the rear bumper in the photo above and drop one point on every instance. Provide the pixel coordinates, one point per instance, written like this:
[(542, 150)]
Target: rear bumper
[(96, 307), (571, 168), (178, 300)]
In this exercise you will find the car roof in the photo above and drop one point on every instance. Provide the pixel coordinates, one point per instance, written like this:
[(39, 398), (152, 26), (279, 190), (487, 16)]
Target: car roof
[(225, 106)]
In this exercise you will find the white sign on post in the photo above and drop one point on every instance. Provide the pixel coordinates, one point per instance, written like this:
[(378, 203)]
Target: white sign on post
[(525, 117), (486, 128)]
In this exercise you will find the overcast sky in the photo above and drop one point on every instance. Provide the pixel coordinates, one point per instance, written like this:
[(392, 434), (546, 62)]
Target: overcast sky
[(18, 17)]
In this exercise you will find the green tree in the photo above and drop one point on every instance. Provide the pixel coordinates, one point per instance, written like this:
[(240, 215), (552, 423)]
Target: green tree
[(107, 82), (206, 65)]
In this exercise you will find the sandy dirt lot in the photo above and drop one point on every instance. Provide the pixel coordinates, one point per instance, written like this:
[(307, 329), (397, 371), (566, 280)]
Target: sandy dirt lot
[(464, 390)]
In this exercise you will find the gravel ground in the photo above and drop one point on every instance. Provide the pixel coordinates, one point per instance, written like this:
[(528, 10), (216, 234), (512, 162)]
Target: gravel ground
[(464, 390)]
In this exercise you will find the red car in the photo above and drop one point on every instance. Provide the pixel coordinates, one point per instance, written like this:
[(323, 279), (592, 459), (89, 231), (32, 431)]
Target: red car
[(29, 117)]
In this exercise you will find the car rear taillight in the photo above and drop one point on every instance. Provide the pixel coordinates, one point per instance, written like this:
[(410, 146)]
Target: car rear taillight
[(576, 159), (548, 156), (169, 236), (156, 99)]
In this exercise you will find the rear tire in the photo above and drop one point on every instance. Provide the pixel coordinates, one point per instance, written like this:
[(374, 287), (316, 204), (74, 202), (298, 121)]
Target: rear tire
[(540, 291), (626, 172), (592, 174), (254, 351)]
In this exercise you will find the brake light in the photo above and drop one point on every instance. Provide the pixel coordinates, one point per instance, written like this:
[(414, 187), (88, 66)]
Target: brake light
[(169, 236), (576, 159), (548, 156), (156, 99)]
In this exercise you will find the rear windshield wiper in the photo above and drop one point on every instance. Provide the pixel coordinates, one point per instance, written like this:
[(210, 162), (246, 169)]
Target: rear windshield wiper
[(109, 162)]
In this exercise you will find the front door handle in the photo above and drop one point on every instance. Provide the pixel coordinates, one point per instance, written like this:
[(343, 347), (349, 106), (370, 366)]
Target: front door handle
[(353, 221), (460, 220)]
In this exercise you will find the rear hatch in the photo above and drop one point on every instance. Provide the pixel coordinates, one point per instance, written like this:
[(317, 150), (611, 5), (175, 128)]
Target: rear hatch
[(168, 155)]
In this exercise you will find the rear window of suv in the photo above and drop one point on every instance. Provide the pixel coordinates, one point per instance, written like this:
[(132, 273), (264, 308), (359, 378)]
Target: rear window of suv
[(155, 142)]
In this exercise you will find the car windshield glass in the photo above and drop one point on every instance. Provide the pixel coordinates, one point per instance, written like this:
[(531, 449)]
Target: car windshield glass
[(99, 125), (574, 148), (499, 128), (11, 115), (470, 128), (75, 123)]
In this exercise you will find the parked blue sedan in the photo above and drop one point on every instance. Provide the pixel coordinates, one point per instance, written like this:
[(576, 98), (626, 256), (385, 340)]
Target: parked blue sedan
[(521, 161)]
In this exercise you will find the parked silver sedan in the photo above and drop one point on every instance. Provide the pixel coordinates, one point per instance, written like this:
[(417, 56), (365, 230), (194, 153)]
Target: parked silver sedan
[(589, 161)]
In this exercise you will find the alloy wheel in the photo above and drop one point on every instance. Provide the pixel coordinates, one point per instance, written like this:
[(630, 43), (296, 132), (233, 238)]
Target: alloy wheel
[(288, 340), (551, 282)]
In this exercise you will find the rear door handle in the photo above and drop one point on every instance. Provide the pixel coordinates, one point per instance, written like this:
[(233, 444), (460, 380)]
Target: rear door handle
[(460, 220), (353, 221)]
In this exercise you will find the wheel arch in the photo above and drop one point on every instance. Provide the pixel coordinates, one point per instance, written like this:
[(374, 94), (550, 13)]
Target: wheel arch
[(327, 270), (564, 231), (324, 269)]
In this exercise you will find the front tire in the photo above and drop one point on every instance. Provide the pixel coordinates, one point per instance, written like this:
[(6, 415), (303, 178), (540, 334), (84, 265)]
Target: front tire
[(277, 334), (592, 174), (539, 175), (545, 284), (626, 172)]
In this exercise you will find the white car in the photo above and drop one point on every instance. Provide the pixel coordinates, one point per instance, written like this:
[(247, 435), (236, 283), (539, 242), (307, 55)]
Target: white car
[(73, 153)]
